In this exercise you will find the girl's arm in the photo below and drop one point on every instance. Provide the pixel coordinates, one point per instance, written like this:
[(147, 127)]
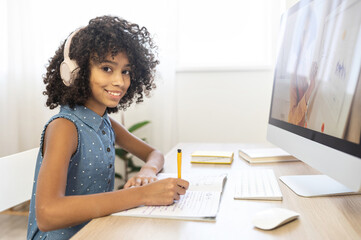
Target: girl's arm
[(54, 210), (154, 160)]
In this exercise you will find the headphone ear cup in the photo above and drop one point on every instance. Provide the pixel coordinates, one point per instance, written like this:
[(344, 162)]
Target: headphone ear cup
[(68, 68), (65, 73), (68, 71)]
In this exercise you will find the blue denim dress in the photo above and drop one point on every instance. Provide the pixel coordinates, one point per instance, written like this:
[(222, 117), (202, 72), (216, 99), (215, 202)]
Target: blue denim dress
[(91, 168)]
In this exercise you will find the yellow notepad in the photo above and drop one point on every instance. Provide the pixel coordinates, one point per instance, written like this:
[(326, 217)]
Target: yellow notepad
[(214, 157)]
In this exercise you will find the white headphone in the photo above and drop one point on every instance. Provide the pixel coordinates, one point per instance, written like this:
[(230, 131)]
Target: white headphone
[(69, 68)]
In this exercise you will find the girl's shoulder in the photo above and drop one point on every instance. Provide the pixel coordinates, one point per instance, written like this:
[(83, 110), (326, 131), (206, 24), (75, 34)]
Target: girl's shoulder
[(63, 119), (65, 112), (61, 127)]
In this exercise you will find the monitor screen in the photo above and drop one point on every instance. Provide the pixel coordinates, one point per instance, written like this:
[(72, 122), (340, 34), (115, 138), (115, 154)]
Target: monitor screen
[(317, 81)]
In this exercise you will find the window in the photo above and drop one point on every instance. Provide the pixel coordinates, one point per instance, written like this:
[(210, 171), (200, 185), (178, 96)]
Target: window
[(227, 34)]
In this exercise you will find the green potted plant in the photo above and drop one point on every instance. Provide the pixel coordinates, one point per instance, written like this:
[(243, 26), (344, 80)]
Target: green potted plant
[(127, 158)]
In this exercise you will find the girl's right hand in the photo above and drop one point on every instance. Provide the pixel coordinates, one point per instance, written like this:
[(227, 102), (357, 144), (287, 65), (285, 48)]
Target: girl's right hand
[(165, 191)]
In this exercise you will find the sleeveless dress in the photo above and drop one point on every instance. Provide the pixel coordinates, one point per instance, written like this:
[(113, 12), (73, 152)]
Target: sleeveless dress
[(91, 168)]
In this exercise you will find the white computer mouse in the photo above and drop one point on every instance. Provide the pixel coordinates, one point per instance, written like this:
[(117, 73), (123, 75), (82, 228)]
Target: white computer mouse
[(273, 218)]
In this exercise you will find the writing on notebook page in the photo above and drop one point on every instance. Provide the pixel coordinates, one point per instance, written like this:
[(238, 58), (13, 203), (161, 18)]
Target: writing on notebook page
[(201, 201), (192, 203)]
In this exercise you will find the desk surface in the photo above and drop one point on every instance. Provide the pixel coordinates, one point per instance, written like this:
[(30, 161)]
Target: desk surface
[(337, 217)]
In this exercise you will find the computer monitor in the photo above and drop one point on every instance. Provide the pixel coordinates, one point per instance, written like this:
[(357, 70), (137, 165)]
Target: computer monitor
[(316, 101)]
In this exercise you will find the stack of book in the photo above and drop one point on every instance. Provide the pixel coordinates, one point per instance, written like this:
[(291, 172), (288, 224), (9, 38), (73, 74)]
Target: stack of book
[(265, 155)]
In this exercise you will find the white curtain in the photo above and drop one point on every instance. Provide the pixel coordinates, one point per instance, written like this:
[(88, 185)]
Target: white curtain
[(30, 33)]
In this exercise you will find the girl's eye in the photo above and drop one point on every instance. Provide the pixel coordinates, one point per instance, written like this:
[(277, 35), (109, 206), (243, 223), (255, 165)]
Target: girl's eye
[(127, 72), (106, 69)]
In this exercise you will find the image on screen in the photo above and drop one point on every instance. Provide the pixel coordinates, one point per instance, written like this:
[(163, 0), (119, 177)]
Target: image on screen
[(317, 76)]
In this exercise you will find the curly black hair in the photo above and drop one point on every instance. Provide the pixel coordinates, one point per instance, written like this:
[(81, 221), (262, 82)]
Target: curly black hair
[(103, 36)]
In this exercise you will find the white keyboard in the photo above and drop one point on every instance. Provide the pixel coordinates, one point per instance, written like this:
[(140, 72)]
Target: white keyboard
[(257, 184)]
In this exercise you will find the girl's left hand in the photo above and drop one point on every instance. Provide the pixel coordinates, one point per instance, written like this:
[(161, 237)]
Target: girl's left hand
[(143, 177)]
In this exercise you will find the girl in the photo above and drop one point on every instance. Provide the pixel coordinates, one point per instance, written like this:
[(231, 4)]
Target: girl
[(100, 69)]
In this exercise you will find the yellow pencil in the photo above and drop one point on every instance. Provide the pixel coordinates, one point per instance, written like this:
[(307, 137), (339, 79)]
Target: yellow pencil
[(179, 163)]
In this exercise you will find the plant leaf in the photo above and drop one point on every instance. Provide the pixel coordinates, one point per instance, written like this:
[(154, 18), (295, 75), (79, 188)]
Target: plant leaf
[(121, 153), (138, 125), (131, 163), (117, 175)]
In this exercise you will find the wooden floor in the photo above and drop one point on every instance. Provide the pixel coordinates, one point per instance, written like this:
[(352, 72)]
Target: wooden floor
[(13, 227), (14, 222)]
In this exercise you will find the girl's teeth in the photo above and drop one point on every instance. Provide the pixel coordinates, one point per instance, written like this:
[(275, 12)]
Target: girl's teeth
[(114, 94)]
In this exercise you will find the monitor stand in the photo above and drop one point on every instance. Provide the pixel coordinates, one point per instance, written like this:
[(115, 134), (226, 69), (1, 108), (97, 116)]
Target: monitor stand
[(315, 185)]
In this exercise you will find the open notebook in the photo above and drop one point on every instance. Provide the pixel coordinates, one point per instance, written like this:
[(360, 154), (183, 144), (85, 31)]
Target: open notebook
[(201, 201)]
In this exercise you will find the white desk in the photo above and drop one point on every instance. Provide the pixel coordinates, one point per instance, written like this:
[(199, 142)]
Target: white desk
[(320, 218)]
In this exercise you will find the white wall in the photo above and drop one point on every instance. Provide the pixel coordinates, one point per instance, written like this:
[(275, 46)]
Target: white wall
[(223, 106)]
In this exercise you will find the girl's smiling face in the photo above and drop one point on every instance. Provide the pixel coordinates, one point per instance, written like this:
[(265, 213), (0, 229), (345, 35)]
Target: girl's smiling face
[(109, 82)]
